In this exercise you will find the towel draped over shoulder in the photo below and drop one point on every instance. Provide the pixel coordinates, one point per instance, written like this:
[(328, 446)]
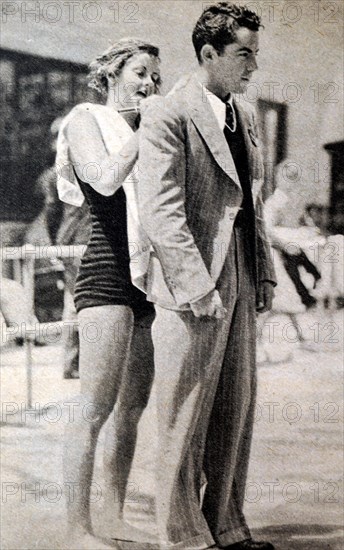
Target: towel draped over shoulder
[(115, 132)]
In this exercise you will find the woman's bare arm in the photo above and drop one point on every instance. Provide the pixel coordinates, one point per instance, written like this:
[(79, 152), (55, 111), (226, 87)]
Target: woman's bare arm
[(91, 160)]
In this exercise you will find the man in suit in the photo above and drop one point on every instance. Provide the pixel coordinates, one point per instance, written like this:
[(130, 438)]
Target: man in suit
[(210, 271)]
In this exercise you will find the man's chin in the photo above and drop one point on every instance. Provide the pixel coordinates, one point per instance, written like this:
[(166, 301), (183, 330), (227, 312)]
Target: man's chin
[(242, 87)]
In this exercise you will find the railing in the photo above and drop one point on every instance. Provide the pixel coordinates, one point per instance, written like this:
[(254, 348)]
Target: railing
[(24, 258), (329, 253)]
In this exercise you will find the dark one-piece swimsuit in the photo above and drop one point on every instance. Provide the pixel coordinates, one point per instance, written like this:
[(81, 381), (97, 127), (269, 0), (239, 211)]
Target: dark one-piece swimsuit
[(104, 274)]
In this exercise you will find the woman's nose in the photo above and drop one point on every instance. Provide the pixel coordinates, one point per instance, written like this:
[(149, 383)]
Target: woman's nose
[(148, 81)]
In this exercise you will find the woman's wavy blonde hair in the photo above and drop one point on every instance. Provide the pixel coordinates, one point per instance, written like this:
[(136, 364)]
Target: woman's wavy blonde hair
[(116, 57)]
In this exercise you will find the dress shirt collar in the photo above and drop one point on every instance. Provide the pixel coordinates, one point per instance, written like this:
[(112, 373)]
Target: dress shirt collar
[(218, 106)]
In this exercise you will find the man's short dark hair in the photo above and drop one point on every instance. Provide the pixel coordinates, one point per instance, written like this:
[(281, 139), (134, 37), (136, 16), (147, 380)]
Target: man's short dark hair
[(218, 24)]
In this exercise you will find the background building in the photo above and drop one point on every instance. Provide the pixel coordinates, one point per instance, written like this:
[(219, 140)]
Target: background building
[(46, 46), (34, 91)]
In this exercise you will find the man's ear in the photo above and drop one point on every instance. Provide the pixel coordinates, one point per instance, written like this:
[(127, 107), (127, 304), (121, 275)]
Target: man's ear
[(209, 54)]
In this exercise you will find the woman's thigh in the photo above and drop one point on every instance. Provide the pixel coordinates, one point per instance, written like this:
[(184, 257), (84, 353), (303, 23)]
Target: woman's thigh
[(105, 340)]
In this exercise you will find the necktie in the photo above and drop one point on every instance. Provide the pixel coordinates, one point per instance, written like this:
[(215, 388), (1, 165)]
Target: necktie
[(230, 121), (236, 142), (234, 135)]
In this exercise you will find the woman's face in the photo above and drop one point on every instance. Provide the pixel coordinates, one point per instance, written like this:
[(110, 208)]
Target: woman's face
[(138, 79)]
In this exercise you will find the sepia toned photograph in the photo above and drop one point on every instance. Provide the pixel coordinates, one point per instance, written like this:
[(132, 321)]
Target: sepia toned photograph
[(172, 274)]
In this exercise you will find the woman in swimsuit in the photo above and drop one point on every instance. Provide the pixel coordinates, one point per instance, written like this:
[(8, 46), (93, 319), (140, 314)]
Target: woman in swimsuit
[(116, 356)]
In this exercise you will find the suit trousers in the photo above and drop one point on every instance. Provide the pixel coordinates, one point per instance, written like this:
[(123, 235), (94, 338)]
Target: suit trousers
[(205, 376)]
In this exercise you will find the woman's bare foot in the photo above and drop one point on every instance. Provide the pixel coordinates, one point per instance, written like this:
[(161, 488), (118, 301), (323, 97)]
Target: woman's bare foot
[(83, 540), (127, 532)]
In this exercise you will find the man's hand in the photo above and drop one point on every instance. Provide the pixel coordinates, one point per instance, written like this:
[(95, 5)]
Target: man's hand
[(265, 296), (209, 306)]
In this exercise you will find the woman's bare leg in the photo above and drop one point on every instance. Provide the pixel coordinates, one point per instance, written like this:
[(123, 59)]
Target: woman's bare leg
[(105, 339), (121, 430)]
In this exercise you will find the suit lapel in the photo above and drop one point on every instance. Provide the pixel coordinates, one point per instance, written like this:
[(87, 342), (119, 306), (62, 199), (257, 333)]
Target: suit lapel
[(205, 121), (253, 152)]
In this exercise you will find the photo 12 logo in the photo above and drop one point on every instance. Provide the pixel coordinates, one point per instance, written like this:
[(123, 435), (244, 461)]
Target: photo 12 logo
[(70, 12), (293, 412), (52, 492), (324, 492), (293, 12)]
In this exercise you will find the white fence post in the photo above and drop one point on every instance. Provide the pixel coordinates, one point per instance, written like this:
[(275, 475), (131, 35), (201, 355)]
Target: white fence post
[(28, 278)]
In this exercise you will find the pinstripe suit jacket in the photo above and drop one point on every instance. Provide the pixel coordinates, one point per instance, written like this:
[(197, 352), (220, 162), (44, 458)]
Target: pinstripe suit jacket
[(189, 195)]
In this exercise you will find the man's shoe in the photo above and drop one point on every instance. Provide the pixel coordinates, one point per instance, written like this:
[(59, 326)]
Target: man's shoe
[(250, 544)]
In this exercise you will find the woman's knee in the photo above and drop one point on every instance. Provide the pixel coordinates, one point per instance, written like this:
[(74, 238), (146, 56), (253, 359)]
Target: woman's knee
[(130, 414), (91, 410)]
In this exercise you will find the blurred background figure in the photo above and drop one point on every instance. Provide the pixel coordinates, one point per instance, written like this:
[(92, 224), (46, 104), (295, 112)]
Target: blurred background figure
[(64, 224), (292, 256), (297, 276)]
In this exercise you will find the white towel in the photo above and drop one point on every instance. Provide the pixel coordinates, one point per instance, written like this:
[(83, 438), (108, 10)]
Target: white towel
[(115, 132)]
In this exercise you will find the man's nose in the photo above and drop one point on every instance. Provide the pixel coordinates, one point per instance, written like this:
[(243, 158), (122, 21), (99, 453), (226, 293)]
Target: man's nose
[(253, 65)]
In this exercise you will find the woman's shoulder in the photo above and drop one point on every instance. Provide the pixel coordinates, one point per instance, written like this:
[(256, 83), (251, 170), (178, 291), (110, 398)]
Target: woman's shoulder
[(82, 110), (82, 116), (90, 113)]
